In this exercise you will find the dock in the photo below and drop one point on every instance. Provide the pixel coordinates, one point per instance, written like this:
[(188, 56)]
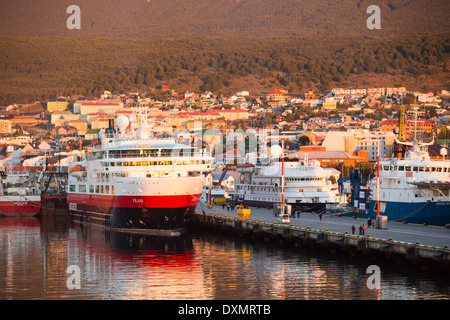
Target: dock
[(416, 244)]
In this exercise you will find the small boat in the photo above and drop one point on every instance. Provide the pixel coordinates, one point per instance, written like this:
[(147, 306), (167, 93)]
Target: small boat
[(19, 194)]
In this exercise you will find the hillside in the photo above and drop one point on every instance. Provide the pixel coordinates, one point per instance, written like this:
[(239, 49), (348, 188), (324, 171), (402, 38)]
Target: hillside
[(219, 45), (150, 19), (40, 68)]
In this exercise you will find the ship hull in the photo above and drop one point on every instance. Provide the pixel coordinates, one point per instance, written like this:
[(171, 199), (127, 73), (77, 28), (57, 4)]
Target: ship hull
[(160, 215), (18, 206), (430, 213)]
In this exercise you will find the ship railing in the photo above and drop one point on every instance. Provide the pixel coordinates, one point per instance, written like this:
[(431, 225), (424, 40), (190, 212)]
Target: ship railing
[(139, 151), (162, 155), (391, 160)]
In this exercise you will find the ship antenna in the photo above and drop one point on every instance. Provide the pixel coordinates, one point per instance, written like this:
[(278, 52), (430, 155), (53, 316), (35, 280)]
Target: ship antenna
[(282, 171)]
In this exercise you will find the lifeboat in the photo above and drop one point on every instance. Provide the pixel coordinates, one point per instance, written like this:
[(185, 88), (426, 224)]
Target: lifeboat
[(77, 171)]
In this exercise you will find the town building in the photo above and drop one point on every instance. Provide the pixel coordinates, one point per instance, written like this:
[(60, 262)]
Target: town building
[(100, 107), (354, 140), (329, 104), (57, 105), (327, 158), (423, 128), (5, 127)]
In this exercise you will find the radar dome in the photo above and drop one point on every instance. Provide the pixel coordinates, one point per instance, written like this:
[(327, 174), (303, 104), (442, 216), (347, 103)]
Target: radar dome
[(122, 121), (443, 152), (276, 151)]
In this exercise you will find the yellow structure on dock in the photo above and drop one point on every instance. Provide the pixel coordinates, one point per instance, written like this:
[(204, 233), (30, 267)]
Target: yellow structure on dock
[(243, 213)]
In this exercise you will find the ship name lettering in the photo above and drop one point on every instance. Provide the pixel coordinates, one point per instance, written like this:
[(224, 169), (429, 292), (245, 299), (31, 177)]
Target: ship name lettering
[(138, 200)]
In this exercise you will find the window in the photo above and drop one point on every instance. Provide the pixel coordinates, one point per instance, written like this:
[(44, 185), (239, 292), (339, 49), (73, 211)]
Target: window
[(97, 189), (72, 188), (82, 188), (91, 189)]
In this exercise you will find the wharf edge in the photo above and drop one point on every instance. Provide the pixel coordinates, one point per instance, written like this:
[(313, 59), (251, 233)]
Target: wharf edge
[(414, 253)]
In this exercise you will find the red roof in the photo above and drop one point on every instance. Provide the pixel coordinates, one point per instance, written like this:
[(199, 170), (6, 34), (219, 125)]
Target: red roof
[(99, 104), (97, 114)]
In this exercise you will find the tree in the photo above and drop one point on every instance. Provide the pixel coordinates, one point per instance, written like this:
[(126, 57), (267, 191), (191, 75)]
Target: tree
[(409, 98)]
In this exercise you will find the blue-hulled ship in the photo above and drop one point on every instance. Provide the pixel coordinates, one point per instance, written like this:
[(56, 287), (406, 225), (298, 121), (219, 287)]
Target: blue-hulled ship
[(413, 188)]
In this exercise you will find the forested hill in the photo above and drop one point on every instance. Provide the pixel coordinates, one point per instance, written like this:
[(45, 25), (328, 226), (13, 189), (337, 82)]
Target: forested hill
[(150, 19), (39, 68), (219, 45)]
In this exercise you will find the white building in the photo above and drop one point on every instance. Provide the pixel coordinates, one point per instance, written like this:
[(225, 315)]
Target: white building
[(360, 139), (243, 94)]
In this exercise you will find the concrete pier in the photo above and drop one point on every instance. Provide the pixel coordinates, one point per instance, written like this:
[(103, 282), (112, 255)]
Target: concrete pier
[(413, 243)]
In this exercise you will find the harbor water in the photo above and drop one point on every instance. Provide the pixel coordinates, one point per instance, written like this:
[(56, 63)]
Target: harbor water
[(41, 258)]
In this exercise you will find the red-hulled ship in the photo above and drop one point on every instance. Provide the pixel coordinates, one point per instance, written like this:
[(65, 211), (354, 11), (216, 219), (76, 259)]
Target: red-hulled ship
[(20, 195), (137, 184)]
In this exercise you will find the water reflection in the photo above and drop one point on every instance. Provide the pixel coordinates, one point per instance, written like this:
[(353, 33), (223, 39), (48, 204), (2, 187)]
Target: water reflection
[(35, 254)]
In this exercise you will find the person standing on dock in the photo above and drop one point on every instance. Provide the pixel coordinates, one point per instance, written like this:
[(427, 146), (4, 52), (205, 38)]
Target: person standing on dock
[(369, 223), (360, 230), (320, 216), (363, 229), (353, 229)]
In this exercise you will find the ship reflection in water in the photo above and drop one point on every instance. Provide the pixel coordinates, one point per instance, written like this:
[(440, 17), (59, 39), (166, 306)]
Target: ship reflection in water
[(36, 253)]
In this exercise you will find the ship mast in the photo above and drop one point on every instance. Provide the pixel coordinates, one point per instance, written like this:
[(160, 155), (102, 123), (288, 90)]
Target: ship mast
[(282, 171), (378, 182)]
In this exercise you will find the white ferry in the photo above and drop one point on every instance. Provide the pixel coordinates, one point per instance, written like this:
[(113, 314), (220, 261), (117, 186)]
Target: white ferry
[(304, 185), (135, 183)]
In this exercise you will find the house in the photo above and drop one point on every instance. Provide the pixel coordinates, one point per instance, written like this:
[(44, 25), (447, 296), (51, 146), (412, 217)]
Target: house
[(213, 177), (64, 131), (80, 125), (91, 134), (58, 118), (100, 123)]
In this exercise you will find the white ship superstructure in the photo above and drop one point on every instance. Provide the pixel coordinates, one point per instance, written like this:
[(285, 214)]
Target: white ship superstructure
[(304, 185), (414, 188), (136, 183)]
